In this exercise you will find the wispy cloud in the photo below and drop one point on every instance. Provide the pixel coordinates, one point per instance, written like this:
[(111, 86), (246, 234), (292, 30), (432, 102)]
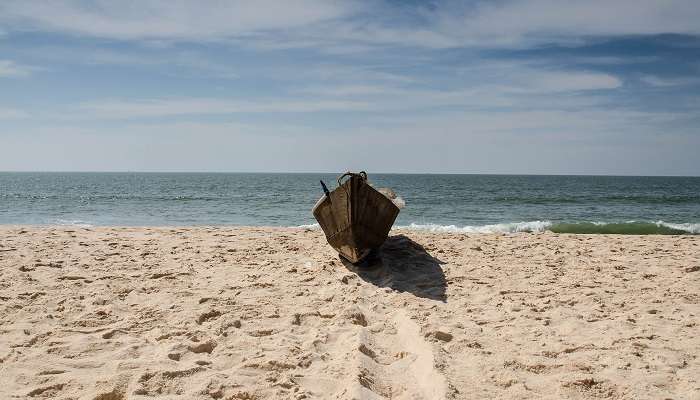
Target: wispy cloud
[(487, 142), (613, 60), (174, 20), (10, 69), (571, 81), (482, 78), (357, 72), (319, 24), (659, 81), (12, 113), (344, 99), (512, 86), (537, 77), (345, 90), (173, 62), (150, 108), (523, 21), (443, 85)]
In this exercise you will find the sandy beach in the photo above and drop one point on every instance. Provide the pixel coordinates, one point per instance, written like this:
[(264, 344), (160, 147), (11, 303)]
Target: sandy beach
[(272, 313)]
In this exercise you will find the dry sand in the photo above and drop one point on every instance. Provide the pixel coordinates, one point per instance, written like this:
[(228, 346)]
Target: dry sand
[(264, 313)]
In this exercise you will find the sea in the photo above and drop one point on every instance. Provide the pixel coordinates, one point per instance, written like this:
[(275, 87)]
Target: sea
[(442, 203)]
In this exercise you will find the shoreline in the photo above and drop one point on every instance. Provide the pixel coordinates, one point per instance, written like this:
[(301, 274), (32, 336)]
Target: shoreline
[(541, 227), (272, 312)]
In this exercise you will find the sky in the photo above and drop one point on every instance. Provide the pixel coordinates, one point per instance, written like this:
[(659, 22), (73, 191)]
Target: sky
[(504, 86)]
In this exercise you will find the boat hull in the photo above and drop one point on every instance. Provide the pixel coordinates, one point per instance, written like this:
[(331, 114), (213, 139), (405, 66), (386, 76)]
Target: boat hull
[(355, 218)]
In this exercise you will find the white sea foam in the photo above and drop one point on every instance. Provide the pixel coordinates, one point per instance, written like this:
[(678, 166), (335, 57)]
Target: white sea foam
[(693, 228), (688, 227), (71, 222), (309, 226), (529, 226)]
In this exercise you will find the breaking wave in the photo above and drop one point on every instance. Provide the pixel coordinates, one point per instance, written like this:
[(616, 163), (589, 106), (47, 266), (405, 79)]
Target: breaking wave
[(309, 226), (70, 222), (532, 226), (624, 228)]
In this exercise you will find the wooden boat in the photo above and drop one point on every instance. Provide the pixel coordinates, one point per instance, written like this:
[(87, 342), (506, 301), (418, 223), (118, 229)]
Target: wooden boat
[(355, 217)]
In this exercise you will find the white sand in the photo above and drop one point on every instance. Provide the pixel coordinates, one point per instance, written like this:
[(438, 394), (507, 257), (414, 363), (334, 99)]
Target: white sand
[(262, 313)]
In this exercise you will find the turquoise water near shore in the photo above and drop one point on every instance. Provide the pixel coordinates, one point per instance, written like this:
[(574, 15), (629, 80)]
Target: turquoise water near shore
[(447, 203)]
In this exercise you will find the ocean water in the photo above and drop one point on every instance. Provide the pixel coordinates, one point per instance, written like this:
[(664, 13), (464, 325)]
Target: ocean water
[(449, 203)]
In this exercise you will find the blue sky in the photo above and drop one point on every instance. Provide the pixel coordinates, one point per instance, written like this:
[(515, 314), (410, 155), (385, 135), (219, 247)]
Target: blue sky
[(542, 86)]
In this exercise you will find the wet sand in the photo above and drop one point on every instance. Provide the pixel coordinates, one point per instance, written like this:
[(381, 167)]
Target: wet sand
[(273, 313)]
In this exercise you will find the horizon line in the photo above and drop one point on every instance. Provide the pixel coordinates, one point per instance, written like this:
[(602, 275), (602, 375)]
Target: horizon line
[(330, 173)]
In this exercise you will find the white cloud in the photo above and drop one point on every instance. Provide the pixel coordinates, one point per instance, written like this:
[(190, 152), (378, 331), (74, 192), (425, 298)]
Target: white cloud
[(344, 90), (437, 109), (124, 109), (195, 64), (357, 24), (343, 73), (561, 81), (429, 37), (483, 83), (536, 77), (178, 63), (10, 69), (519, 21), (658, 81), (162, 19), (512, 86)]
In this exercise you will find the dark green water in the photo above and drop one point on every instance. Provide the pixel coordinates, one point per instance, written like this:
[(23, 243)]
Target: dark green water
[(458, 203)]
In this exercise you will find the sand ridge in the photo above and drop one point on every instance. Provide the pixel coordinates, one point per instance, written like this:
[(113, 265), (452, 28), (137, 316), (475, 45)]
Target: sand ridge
[(268, 313)]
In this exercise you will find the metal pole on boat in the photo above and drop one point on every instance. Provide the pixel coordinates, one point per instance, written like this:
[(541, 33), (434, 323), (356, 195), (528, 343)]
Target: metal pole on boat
[(325, 190)]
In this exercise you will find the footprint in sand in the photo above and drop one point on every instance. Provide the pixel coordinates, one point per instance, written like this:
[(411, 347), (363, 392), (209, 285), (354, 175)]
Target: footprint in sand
[(386, 359), (205, 347), (47, 392), (165, 382)]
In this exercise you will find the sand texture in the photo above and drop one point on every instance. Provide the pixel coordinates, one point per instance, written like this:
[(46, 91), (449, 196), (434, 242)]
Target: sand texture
[(265, 313)]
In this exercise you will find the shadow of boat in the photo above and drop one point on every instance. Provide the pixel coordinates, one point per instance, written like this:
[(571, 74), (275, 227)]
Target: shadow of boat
[(405, 266)]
